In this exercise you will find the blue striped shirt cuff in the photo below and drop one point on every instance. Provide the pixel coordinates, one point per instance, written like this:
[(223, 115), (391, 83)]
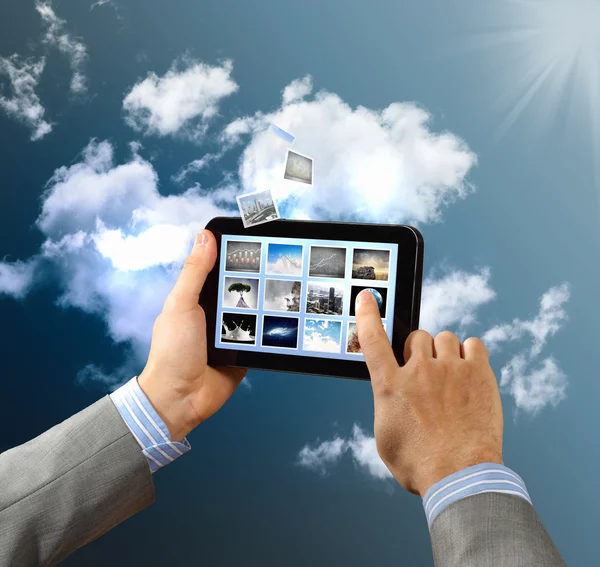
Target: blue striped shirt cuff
[(485, 477), (146, 426)]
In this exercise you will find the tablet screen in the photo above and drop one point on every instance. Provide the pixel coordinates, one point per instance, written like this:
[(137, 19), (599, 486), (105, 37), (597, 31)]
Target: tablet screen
[(296, 296)]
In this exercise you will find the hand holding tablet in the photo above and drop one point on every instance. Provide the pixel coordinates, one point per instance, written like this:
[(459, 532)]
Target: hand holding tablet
[(281, 295)]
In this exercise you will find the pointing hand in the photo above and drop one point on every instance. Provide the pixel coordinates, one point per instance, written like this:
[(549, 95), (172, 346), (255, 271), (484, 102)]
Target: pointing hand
[(439, 413)]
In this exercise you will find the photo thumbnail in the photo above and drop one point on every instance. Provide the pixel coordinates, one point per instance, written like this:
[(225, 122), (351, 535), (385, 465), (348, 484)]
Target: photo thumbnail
[(243, 256), (238, 328), (352, 344), (380, 294), (280, 332), (327, 262), (370, 264), (282, 295), (323, 335), (257, 208), (240, 292), (325, 298), (284, 259)]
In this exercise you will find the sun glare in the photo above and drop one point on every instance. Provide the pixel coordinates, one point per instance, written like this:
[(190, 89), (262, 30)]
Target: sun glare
[(549, 55)]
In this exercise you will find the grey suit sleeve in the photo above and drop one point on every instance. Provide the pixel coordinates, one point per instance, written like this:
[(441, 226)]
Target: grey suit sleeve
[(492, 530), (69, 486)]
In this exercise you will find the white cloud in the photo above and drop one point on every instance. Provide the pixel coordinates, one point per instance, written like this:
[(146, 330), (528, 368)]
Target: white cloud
[(297, 90), (361, 447), (94, 375), (453, 300), (364, 452), (72, 48), (545, 324), (325, 453), (318, 342), (24, 105), (17, 278), (136, 252), (234, 132), (195, 166), (119, 244), (180, 102), (94, 188), (100, 3), (135, 147), (369, 165), (533, 388), (533, 384)]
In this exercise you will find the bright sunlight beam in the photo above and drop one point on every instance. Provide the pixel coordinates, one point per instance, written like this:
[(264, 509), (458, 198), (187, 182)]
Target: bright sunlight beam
[(548, 61)]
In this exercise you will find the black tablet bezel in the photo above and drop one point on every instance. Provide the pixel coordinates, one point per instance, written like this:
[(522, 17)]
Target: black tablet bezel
[(409, 277)]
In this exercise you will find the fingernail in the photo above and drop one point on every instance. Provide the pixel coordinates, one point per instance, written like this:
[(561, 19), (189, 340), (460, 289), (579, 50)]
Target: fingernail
[(200, 239), (364, 296)]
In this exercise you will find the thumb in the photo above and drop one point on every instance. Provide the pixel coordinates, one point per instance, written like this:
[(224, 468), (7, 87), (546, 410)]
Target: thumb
[(374, 342), (197, 266)]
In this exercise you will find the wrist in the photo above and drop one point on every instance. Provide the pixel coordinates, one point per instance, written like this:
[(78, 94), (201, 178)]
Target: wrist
[(170, 405), (442, 469)]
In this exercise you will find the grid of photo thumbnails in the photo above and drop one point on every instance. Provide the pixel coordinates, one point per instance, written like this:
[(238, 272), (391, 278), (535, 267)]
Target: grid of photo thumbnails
[(297, 296)]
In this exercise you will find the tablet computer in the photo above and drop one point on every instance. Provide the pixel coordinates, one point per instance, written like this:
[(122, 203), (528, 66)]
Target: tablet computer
[(281, 294)]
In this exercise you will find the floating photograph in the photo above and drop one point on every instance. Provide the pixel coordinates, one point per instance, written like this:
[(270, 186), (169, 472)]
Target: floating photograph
[(282, 295), (239, 328), (243, 256), (257, 208), (325, 298), (323, 335), (280, 332), (240, 292), (283, 135), (370, 264), (380, 294), (327, 262), (298, 168), (284, 259)]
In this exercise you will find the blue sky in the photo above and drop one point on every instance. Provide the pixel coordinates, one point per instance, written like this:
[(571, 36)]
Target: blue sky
[(322, 335), (276, 251), (126, 125)]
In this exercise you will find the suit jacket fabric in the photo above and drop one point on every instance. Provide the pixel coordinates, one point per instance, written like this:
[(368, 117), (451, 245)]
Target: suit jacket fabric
[(492, 530), (81, 478), (69, 486)]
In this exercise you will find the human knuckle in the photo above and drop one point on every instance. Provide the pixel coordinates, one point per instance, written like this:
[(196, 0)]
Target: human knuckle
[(386, 447), (170, 303), (445, 334), (384, 386), (476, 343), (419, 333)]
